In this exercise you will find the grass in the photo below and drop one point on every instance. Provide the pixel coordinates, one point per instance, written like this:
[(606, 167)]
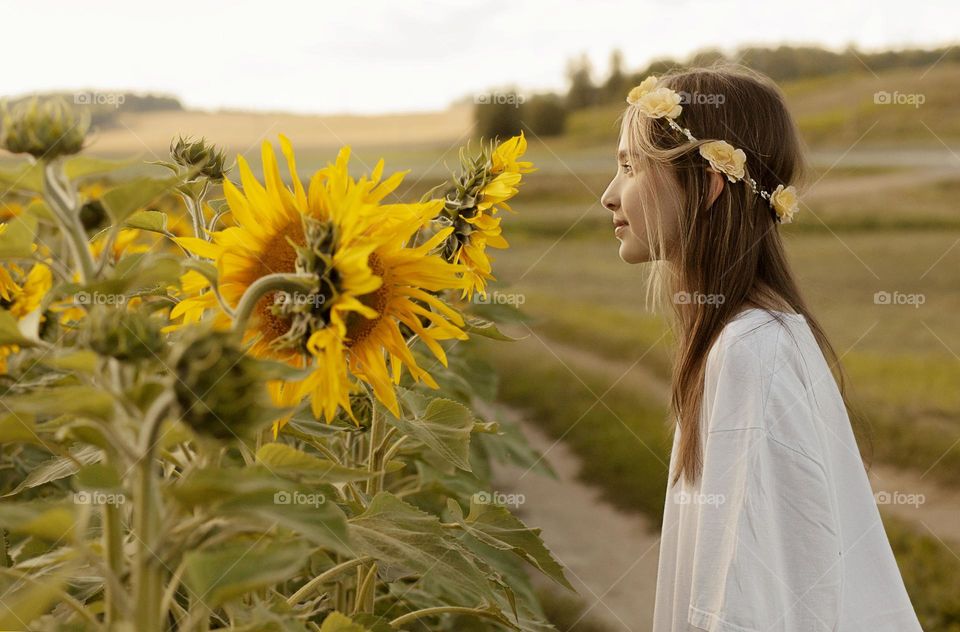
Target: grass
[(931, 576), (624, 442)]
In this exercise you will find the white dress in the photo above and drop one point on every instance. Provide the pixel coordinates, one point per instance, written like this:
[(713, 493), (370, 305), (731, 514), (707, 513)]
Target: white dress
[(781, 532)]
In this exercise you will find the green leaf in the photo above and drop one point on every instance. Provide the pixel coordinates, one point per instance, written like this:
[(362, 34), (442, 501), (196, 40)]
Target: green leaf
[(82, 361), (487, 329), (14, 428), (16, 240), (442, 424), (27, 177), (24, 601), (10, 333), (100, 477), (255, 494), (495, 526), (58, 467), (121, 201), (72, 399), (39, 209), (237, 569), (84, 166), (91, 433), (154, 221), (40, 518), (284, 459), (135, 272), (408, 540), (338, 622)]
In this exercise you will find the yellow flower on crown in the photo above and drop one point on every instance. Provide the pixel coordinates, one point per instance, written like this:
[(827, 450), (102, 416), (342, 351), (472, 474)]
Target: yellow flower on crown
[(659, 103), (725, 158), (647, 85), (785, 202)]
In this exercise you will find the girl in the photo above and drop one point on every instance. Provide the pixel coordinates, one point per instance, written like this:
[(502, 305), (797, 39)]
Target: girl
[(769, 521)]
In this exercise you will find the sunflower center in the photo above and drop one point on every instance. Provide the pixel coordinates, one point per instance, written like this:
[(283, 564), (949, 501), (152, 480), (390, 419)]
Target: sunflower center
[(304, 312), (278, 256), (358, 326)]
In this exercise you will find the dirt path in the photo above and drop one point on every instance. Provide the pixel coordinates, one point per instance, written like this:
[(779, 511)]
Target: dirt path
[(610, 556), (859, 185)]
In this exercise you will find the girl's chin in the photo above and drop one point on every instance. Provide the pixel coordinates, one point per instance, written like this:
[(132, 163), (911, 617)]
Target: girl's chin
[(632, 253)]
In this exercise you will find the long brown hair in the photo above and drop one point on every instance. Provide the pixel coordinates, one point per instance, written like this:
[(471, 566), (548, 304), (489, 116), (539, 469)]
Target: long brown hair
[(727, 255)]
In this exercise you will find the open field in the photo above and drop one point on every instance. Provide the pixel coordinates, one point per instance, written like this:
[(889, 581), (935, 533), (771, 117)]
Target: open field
[(880, 214)]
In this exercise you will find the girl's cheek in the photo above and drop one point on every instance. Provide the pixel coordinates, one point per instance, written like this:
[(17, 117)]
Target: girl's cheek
[(630, 201)]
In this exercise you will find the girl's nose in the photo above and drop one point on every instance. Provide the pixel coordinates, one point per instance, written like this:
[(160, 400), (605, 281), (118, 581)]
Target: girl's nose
[(609, 200)]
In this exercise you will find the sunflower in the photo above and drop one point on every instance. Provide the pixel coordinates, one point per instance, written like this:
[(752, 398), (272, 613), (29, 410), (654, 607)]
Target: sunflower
[(21, 294), (365, 282), (483, 188), (9, 210)]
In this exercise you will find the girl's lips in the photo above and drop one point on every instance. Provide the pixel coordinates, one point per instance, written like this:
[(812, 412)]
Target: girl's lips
[(620, 230)]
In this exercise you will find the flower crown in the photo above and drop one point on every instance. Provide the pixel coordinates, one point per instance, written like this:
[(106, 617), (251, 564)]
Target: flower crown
[(662, 102)]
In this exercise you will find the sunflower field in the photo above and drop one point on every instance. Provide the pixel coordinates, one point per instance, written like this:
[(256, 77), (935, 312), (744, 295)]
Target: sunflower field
[(244, 405)]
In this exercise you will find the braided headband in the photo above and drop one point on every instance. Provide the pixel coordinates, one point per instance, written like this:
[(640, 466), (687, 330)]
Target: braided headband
[(723, 157)]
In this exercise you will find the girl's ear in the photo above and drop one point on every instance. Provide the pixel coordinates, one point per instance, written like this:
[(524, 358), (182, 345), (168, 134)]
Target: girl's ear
[(716, 186)]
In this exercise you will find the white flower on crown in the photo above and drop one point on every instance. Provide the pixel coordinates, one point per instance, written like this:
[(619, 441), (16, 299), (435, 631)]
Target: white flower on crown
[(785, 202), (725, 158)]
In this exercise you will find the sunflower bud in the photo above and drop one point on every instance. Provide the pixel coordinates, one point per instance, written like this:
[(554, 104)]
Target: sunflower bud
[(45, 128), (220, 390), (124, 335), (92, 215), (189, 153)]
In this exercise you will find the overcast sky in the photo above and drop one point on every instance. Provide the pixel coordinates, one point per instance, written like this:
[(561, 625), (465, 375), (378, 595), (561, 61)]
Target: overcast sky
[(389, 56)]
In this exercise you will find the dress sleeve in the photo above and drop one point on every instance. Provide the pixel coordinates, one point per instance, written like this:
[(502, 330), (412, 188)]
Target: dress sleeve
[(767, 554)]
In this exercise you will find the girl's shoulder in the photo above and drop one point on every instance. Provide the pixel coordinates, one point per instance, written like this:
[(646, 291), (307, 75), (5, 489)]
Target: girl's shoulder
[(761, 340), (765, 372)]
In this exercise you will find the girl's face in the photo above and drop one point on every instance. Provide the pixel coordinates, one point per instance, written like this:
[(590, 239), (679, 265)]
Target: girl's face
[(630, 198)]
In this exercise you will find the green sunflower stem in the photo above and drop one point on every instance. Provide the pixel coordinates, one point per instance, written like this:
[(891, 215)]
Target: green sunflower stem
[(63, 205), (113, 544), (193, 200), (149, 572), (279, 281), (367, 575), (430, 612)]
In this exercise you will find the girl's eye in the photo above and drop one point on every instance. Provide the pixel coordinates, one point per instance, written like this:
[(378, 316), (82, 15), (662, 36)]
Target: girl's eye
[(626, 168)]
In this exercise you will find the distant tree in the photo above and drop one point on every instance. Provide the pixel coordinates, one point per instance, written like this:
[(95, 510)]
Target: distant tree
[(582, 92), (545, 114), (616, 84), (498, 114), (707, 57)]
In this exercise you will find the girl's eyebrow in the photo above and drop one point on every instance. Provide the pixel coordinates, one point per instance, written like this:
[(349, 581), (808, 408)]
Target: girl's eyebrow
[(622, 155)]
